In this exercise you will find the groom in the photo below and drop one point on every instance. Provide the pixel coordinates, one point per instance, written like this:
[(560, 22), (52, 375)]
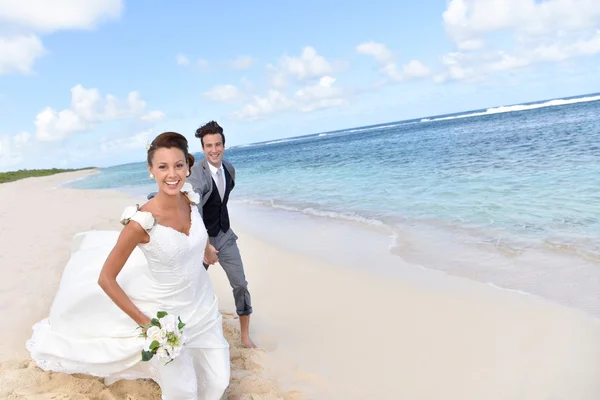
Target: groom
[(213, 179)]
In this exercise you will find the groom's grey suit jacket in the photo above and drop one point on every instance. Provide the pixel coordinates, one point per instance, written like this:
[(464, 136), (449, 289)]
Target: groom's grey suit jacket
[(202, 181)]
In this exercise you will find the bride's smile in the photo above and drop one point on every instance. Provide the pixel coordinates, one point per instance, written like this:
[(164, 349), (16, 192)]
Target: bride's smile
[(169, 168)]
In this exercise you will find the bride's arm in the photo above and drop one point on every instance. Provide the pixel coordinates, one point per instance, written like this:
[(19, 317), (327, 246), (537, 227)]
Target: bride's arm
[(131, 235)]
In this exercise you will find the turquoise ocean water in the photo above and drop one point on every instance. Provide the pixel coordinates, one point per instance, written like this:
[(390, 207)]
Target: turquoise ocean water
[(508, 196)]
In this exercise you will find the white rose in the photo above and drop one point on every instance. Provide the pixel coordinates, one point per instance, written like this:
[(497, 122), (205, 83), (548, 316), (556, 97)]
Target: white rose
[(168, 323), (189, 192), (145, 219), (162, 353), (194, 197), (175, 351), (155, 333), (127, 214), (152, 331), (187, 187)]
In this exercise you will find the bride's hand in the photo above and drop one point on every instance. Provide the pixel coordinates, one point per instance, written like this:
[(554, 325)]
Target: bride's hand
[(146, 322), (210, 255)]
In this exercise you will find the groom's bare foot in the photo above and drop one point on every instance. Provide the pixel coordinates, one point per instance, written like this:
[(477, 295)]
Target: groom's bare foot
[(245, 332), (248, 343)]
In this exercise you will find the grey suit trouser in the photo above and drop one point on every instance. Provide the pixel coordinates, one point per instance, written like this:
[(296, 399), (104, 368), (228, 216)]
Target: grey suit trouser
[(231, 261)]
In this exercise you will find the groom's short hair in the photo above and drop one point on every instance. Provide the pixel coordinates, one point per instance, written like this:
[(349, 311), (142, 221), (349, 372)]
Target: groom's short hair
[(210, 128)]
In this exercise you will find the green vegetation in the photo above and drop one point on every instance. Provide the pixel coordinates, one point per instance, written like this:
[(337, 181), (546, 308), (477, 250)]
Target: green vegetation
[(28, 173)]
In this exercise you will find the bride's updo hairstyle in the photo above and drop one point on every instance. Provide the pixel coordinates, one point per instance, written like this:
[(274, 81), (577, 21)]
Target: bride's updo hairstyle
[(169, 140)]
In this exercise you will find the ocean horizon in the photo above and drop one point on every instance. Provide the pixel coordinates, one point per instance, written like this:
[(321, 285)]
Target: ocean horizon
[(505, 196)]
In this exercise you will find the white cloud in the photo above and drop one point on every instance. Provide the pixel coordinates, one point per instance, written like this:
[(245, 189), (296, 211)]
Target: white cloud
[(277, 79), (480, 64), (224, 93), (52, 125), (501, 61), (153, 116), (185, 61), (500, 35), (308, 65), (468, 20), (321, 95), (265, 105), (87, 109), (49, 16), (454, 67), (30, 17), (386, 59), (182, 59), (242, 63), (415, 69), (301, 84), (562, 50), (377, 50), (309, 98), (137, 141), (18, 54)]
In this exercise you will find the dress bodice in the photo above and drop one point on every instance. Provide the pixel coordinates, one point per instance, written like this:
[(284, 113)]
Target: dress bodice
[(173, 257)]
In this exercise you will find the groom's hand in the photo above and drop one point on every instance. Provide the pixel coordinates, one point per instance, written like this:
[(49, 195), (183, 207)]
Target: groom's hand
[(210, 256)]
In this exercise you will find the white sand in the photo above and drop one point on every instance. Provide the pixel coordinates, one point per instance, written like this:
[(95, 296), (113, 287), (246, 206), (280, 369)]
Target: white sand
[(330, 332), (359, 336)]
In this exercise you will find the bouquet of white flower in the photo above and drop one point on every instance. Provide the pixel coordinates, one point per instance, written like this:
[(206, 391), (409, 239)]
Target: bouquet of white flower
[(164, 337)]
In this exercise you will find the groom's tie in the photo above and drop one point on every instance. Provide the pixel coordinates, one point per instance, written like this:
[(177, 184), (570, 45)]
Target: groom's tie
[(220, 183)]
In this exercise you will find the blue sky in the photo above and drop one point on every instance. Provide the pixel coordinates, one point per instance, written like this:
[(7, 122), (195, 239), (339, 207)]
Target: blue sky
[(91, 82)]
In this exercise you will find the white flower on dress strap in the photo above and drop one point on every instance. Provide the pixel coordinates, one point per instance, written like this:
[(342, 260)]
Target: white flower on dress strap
[(189, 192), (128, 213), (145, 219)]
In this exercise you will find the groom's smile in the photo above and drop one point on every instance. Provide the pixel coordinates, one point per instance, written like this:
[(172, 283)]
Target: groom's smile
[(213, 147)]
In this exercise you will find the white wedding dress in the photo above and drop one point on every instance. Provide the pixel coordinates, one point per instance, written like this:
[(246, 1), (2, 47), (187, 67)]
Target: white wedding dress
[(87, 333)]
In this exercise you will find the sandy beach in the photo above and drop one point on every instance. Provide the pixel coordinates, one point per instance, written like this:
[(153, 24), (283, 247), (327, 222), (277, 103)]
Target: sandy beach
[(325, 331)]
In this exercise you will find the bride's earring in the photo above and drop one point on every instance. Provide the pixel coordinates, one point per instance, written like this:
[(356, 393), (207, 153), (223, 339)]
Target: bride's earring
[(151, 176), (188, 173)]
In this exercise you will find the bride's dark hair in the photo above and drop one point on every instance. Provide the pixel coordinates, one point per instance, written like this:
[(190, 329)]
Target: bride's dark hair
[(169, 140)]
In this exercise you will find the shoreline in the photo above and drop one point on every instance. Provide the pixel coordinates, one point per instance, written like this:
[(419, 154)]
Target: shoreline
[(535, 272), (332, 324)]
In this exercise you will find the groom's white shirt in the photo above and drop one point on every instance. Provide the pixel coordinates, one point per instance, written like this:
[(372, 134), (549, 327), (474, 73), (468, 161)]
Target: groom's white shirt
[(213, 172)]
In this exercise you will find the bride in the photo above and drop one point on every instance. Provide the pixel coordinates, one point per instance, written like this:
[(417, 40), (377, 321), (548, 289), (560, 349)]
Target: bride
[(116, 281)]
